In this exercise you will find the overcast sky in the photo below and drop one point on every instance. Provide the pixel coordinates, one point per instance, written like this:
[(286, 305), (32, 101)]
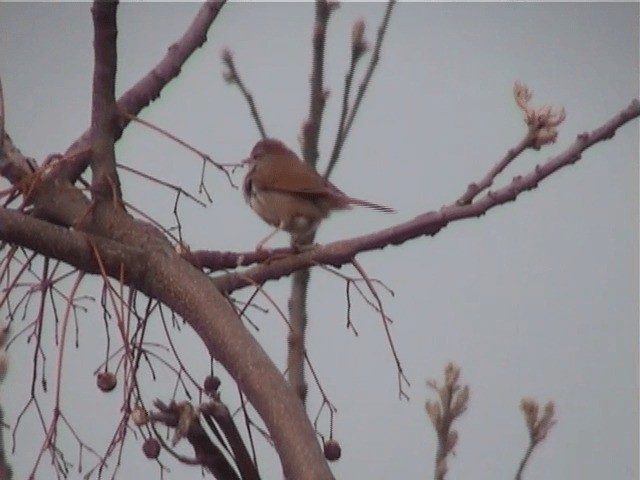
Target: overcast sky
[(537, 298)]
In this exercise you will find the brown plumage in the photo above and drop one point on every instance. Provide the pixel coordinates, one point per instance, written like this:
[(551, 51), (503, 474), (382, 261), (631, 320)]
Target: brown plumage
[(289, 194)]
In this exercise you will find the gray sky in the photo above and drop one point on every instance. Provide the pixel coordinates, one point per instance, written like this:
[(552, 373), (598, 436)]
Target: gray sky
[(537, 298)]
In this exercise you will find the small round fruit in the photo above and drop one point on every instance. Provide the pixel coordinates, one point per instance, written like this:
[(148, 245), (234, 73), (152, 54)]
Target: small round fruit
[(151, 448), (332, 450), (106, 381), (211, 384)]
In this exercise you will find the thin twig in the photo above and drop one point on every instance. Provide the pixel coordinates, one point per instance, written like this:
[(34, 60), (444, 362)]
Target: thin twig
[(542, 129), (223, 167), (305, 355), (402, 378), (474, 189), (356, 54), (175, 188), (49, 442), (524, 460), (233, 77), (375, 57)]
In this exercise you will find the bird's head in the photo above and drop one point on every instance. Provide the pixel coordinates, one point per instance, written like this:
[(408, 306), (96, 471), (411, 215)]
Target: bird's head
[(268, 146)]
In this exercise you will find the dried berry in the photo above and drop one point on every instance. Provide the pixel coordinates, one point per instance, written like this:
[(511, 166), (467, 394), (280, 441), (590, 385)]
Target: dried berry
[(151, 448), (332, 450), (107, 381), (211, 384)]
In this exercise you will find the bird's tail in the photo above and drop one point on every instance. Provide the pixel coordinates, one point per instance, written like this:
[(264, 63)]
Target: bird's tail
[(373, 206)]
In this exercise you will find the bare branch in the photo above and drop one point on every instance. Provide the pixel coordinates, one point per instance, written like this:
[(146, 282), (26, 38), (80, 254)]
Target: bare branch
[(148, 88), (475, 188), (105, 184), (296, 338), (159, 272), (233, 77), (14, 166), (341, 252), (358, 46), (179, 190), (402, 378), (310, 138), (226, 260), (48, 443), (223, 167), (542, 129), (73, 207), (317, 97)]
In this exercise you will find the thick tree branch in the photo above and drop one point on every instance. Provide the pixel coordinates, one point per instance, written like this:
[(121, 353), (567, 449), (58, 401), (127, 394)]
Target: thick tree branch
[(105, 184), (159, 272), (72, 247)]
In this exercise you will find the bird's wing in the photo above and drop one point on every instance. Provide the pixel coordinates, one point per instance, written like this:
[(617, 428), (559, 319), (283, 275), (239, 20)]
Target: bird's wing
[(288, 174)]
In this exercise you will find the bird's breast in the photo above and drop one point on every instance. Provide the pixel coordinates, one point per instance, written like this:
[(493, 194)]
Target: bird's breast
[(290, 212)]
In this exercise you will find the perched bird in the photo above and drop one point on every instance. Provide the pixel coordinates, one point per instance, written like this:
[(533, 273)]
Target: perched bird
[(289, 194)]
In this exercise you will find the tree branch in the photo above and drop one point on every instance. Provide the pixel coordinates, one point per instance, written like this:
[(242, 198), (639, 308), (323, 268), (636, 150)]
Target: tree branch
[(158, 271), (105, 184), (345, 123), (233, 77), (475, 188), (310, 136), (311, 129), (375, 57), (148, 88), (430, 223)]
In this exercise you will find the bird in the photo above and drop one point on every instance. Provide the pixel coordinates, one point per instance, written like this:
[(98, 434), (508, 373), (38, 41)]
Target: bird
[(289, 194)]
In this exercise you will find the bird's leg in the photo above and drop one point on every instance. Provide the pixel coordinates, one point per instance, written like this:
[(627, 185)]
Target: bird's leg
[(260, 245), (305, 247), (301, 242)]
